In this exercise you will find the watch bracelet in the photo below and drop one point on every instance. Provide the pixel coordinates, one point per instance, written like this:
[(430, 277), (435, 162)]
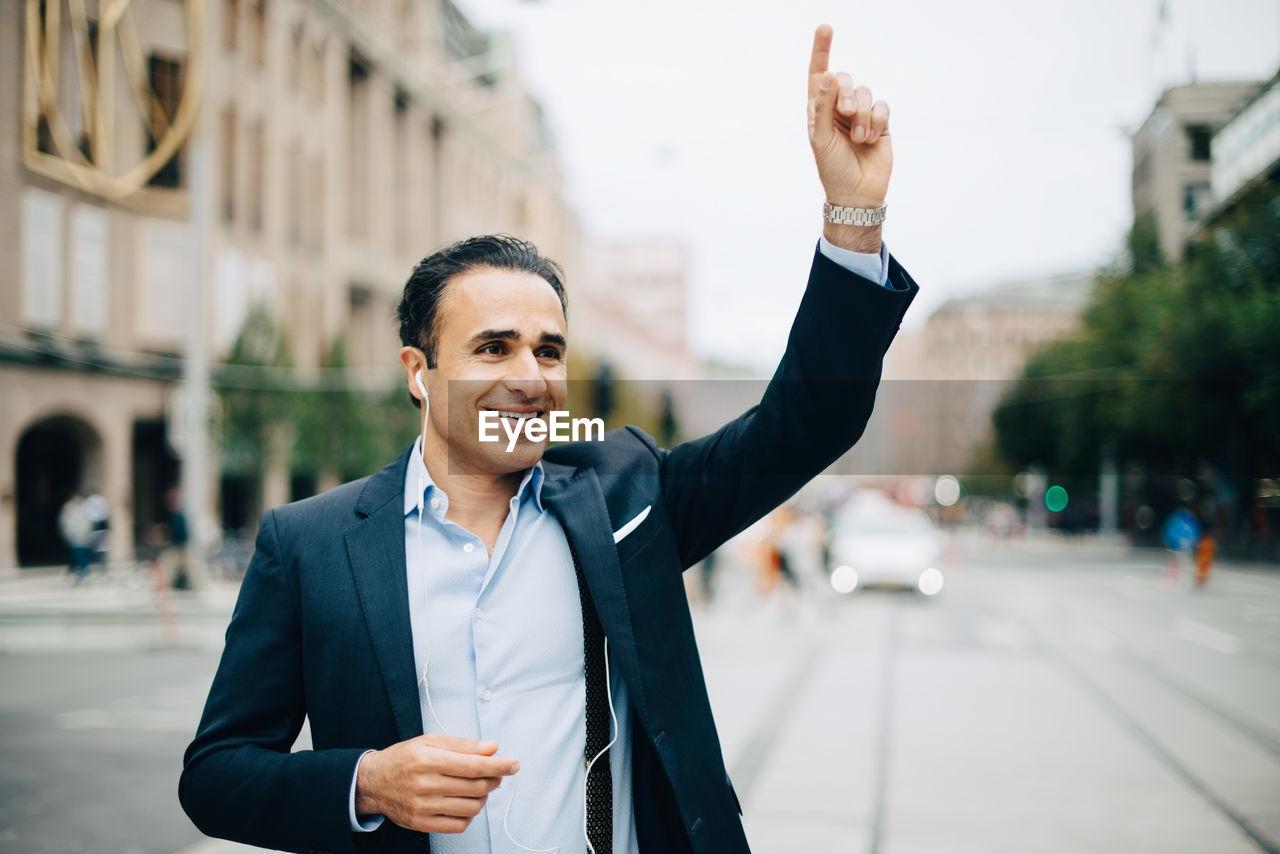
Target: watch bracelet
[(853, 216)]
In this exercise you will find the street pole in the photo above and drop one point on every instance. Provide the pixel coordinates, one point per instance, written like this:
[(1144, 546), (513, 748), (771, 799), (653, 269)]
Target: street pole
[(1108, 490), (1037, 513), (195, 366)]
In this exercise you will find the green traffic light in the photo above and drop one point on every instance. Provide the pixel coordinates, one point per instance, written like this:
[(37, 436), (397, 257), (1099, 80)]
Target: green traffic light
[(1055, 498)]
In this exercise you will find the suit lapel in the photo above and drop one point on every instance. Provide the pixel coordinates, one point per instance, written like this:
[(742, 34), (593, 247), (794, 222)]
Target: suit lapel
[(576, 499), (375, 549)]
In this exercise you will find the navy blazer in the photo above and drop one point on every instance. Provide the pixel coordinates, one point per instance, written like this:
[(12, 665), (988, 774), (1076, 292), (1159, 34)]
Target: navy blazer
[(321, 627)]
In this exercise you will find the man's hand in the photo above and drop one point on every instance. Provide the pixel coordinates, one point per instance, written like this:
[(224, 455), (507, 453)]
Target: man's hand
[(850, 139), (433, 783)]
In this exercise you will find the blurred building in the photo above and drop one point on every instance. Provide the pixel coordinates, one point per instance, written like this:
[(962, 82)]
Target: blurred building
[(1246, 150), (630, 307), (345, 140), (941, 383), (1172, 156), (628, 310)]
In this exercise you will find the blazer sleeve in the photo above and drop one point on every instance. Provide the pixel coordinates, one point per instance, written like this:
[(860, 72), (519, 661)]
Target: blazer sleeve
[(813, 410), (239, 779)]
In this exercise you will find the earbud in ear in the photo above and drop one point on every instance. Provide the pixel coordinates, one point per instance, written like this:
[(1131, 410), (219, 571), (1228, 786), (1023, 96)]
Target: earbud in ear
[(422, 388)]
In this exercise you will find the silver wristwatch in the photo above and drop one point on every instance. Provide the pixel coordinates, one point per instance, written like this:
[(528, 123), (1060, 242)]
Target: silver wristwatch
[(853, 216)]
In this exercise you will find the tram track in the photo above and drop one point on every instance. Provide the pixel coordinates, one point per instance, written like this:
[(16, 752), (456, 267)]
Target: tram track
[(1142, 734)]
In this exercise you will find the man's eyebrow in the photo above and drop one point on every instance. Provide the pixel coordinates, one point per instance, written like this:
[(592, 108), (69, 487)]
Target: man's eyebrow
[(513, 335), (492, 334)]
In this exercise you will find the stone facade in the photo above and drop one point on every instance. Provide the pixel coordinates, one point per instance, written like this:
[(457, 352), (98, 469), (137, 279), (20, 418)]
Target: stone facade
[(942, 382), (344, 140), (1172, 162)]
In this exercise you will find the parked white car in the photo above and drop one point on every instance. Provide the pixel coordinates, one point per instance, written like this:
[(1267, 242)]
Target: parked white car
[(876, 543)]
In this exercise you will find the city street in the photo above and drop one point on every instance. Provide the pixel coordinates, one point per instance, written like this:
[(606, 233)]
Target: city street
[(1052, 698)]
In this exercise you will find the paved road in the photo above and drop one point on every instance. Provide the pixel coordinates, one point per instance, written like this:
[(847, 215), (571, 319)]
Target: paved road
[(1041, 703), (1049, 700)]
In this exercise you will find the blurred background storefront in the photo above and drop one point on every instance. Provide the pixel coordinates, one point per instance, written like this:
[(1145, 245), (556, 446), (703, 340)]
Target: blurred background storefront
[(342, 142)]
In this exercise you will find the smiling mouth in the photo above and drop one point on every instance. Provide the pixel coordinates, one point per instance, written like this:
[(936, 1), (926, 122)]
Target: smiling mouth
[(518, 415)]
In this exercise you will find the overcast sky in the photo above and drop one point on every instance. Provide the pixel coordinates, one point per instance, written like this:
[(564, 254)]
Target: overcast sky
[(1010, 123)]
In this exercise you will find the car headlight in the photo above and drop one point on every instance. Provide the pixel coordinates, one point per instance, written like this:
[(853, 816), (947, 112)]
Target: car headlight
[(930, 582), (844, 579)]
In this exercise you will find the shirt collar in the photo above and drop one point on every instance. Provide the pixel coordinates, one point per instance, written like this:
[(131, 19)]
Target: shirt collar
[(416, 473)]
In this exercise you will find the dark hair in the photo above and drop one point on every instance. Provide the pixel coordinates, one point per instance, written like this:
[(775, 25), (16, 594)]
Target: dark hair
[(420, 301)]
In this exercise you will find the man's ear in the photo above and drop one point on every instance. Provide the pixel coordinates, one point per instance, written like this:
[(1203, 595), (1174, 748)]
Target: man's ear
[(414, 362)]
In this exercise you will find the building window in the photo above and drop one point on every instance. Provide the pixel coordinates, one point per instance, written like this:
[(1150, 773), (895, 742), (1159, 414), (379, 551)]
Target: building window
[(230, 21), (293, 194), (89, 250), (44, 137), (89, 54), (1195, 201), (315, 208), (400, 177), (42, 259), (166, 84), (257, 174), (1198, 137), (361, 333), (258, 31), (315, 80), (227, 164), (297, 44), (358, 114)]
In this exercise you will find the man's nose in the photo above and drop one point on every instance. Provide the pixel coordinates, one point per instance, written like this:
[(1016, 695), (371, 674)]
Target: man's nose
[(525, 378)]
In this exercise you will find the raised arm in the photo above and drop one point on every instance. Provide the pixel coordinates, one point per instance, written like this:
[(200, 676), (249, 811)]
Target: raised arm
[(822, 394), (849, 135)]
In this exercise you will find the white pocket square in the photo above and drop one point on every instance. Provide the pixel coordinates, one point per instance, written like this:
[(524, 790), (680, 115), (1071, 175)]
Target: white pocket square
[(626, 529)]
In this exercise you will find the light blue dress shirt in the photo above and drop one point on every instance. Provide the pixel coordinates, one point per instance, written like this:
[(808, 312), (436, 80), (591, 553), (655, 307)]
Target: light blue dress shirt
[(500, 638)]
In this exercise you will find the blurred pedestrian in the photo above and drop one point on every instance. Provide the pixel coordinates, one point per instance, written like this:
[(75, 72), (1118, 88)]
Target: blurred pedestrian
[(1205, 551), (1181, 532), (802, 544), (76, 526), (781, 551), (177, 557), (1002, 521), (153, 551), (99, 511)]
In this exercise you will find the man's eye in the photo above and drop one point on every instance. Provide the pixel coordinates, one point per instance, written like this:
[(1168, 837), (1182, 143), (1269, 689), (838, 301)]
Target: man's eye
[(550, 353), (494, 349)]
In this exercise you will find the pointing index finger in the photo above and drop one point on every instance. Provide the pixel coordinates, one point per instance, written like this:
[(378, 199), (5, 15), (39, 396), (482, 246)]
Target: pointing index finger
[(820, 58)]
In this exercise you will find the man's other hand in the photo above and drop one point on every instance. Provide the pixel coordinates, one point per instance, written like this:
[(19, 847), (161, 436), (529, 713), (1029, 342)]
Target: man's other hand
[(849, 134), (433, 783)]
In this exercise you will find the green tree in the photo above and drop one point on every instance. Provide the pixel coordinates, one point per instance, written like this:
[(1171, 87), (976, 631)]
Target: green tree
[(254, 388), (1174, 364), (337, 426)]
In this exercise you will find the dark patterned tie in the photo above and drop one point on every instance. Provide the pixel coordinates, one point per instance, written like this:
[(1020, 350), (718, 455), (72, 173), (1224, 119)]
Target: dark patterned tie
[(600, 783)]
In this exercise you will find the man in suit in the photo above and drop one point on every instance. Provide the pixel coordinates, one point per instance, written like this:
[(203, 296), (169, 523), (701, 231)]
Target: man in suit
[(491, 640)]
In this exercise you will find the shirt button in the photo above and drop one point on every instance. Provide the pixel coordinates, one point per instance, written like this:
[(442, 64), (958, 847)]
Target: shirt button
[(469, 548), (435, 504), (487, 695), (479, 614)]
